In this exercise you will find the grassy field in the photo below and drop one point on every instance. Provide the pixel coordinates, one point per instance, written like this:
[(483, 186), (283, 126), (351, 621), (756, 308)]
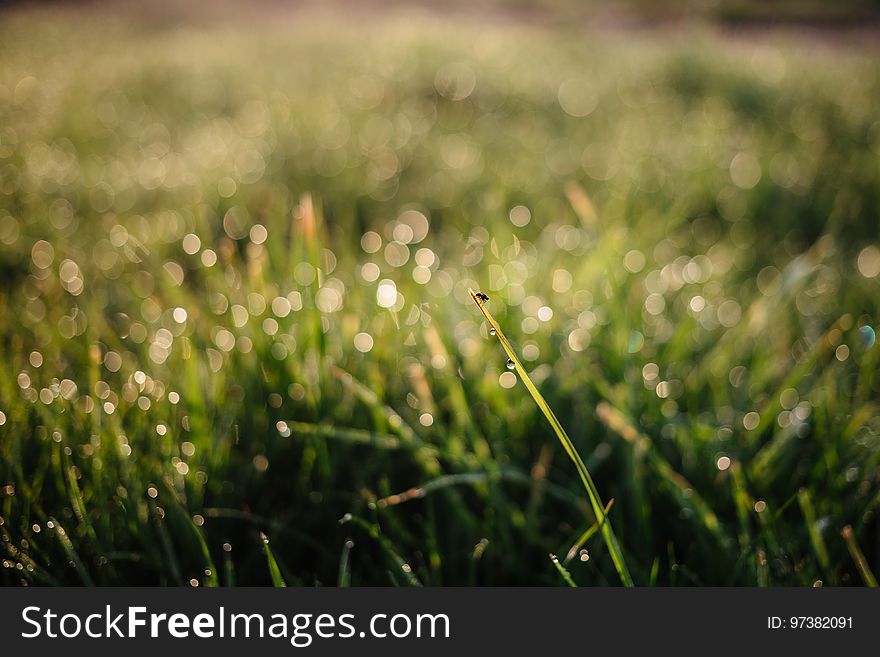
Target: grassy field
[(237, 342)]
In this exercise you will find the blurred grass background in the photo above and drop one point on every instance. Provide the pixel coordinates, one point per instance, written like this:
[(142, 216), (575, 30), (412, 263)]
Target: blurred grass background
[(235, 257)]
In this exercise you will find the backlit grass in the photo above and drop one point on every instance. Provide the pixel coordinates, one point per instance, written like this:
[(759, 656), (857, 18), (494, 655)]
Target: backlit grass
[(235, 263)]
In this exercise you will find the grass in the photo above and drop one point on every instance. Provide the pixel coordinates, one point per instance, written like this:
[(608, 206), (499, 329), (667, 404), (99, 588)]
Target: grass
[(513, 362), (235, 264)]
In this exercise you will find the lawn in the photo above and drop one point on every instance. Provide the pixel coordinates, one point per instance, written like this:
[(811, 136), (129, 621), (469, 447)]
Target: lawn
[(237, 342)]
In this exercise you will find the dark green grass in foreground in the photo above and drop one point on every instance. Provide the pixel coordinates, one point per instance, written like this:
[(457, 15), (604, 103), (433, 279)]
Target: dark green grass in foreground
[(679, 238)]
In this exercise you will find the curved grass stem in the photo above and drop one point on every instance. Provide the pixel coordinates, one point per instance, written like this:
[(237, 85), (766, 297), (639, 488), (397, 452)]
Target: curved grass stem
[(592, 492)]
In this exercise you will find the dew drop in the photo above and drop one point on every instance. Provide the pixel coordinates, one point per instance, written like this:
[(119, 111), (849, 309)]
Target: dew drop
[(869, 337), (510, 364), (492, 331)]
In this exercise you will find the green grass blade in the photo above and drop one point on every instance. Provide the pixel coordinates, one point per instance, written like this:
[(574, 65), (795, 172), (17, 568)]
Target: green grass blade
[(71, 553), (228, 566), (402, 567), (566, 576), (211, 576), (166, 543), (816, 539), (344, 579), (762, 572), (858, 557), (586, 536), (592, 492), (274, 570)]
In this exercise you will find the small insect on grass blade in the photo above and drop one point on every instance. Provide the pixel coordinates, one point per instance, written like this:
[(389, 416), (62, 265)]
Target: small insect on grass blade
[(592, 492)]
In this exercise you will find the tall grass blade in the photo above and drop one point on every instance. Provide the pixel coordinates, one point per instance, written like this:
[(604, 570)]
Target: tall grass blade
[(592, 492)]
